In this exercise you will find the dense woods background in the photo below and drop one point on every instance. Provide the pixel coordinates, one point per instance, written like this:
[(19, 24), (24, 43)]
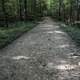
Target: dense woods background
[(66, 10), (14, 10), (18, 16)]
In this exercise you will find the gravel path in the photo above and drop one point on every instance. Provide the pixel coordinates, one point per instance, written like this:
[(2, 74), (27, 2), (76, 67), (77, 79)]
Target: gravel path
[(44, 53)]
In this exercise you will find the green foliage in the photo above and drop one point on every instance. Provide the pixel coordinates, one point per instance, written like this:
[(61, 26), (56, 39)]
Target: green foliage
[(13, 8), (11, 33), (65, 9), (15, 15), (74, 32), (12, 11)]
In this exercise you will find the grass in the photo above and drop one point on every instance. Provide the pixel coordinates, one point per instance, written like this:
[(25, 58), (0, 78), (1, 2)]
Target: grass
[(74, 32), (7, 35)]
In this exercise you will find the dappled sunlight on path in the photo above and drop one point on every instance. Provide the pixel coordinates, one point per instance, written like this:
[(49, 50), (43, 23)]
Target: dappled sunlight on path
[(60, 32), (66, 67), (44, 53), (62, 66), (20, 57)]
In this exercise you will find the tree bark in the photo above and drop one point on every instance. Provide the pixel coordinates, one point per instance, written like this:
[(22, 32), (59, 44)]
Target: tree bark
[(60, 9), (70, 10), (5, 14), (77, 10), (20, 10), (25, 9)]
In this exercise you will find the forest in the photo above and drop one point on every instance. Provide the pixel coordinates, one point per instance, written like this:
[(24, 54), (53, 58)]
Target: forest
[(39, 39), (19, 16), (16, 10)]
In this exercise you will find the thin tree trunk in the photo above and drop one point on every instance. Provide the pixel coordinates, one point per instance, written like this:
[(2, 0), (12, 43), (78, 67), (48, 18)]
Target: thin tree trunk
[(77, 10), (20, 10), (25, 9), (5, 14), (64, 12), (35, 9), (70, 10), (59, 9), (40, 8)]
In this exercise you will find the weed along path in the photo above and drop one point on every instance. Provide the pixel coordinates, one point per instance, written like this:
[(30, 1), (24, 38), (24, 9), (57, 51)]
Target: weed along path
[(44, 53)]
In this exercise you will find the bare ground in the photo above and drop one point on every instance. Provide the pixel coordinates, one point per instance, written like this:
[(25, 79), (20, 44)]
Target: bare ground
[(44, 53)]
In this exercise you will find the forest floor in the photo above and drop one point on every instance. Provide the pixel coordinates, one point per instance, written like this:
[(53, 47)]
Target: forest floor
[(44, 53)]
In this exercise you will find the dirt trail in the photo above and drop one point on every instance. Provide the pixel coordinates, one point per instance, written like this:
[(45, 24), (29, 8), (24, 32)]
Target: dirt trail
[(44, 53)]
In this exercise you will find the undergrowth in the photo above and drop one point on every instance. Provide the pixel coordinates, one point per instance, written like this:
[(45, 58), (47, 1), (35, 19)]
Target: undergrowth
[(74, 32), (7, 35)]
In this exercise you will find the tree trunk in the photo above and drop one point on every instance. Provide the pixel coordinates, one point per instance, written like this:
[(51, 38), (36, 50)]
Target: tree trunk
[(64, 12), (70, 10), (20, 10), (5, 14), (25, 9), (77, 10), (60, 9)]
